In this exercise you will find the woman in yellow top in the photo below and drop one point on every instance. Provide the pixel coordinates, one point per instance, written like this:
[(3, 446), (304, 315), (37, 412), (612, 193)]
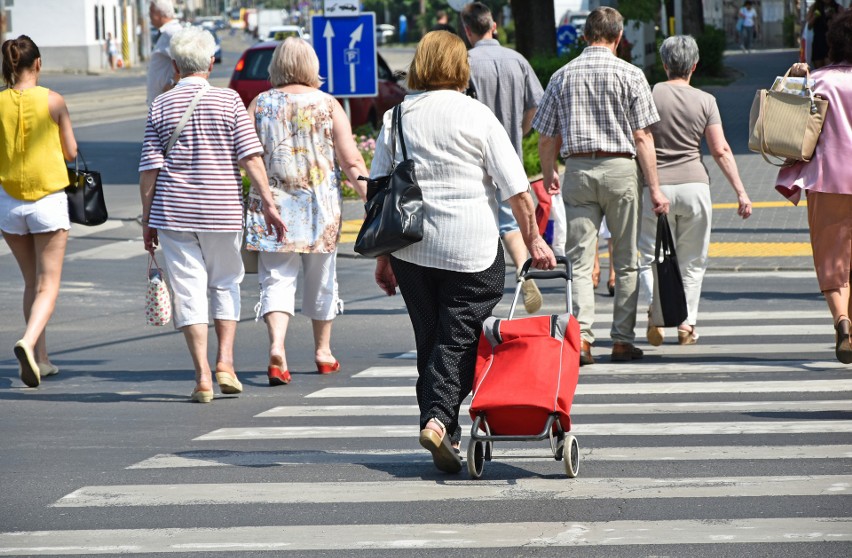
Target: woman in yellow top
[(35, 141)]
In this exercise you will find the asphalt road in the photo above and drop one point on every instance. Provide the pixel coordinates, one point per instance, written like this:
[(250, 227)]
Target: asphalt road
[(737, 446)]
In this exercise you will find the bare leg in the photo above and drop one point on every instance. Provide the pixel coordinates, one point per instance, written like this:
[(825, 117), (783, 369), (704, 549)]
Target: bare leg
[(839, 302), (276, 325), (40, 258), (514, 243), (322, 341), (196, 342), (226, 331), (596, 271)]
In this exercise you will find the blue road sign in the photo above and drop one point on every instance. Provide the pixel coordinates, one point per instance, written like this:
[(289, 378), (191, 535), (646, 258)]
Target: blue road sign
[(566, 36), (346, 47)]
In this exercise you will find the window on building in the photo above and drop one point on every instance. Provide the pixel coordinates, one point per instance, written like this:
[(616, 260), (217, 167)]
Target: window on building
[(97, 25)]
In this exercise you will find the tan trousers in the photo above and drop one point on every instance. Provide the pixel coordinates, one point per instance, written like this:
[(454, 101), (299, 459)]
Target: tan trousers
[(592, 189)]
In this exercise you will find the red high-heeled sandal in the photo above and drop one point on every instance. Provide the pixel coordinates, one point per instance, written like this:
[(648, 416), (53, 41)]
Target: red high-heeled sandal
[(328, 367), (277, 376)]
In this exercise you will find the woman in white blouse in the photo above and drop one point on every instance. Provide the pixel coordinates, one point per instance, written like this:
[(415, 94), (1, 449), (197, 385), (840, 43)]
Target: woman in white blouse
[(452, 279)]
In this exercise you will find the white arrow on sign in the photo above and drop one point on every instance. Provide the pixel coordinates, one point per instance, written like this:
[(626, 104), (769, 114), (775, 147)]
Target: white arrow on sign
[(355, 37), (328, 34)]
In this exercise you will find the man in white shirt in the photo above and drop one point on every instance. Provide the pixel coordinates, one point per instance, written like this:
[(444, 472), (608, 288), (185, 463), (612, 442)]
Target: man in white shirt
[(161, 74)]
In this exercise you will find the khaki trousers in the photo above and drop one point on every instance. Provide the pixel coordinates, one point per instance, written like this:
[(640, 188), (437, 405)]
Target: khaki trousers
[(591, 189)]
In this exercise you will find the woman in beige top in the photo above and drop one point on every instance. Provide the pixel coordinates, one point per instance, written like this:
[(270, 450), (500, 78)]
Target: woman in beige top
[(686, 115)]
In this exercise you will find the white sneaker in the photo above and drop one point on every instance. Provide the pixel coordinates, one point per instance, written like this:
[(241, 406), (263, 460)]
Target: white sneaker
[(47, 369)]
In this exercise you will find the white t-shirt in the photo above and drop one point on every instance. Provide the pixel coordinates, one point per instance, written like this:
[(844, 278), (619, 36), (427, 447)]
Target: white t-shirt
[(748, 15), (464, 161), (160, 70)]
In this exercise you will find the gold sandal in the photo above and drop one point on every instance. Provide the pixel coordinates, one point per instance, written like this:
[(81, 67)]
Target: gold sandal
[(685, 337), (444, 456)]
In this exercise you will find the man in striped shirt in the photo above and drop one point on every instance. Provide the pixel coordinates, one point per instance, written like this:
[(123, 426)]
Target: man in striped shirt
[(599, 109)]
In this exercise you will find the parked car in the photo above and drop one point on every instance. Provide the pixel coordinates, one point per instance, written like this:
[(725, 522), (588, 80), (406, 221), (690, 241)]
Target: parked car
[(384, 33), (577, 18), (251, 77), (281, 32)]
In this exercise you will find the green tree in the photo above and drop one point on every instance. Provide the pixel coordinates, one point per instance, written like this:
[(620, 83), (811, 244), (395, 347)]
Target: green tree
[(535, 27)]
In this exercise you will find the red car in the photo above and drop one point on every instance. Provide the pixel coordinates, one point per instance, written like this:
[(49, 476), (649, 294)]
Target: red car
[(251, 77)]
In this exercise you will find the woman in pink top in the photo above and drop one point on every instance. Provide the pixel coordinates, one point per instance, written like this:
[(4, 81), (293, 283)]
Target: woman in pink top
[(828, 184)]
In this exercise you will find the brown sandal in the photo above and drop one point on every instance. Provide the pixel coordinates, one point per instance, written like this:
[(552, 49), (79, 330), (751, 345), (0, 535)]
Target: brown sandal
[(444, 456)]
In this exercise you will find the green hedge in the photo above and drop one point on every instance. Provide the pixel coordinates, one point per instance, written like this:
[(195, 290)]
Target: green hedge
[(711, 48)]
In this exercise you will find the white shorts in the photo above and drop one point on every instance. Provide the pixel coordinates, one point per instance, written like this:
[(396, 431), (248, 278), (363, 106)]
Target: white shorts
[(204, 270), (277, 273), (48, 214)]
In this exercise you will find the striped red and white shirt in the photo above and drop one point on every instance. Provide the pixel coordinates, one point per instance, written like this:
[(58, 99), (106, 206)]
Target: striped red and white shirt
[(199, 186)]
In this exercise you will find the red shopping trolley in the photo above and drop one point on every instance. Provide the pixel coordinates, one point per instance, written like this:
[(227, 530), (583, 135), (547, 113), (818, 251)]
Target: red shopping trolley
[(526, 375)]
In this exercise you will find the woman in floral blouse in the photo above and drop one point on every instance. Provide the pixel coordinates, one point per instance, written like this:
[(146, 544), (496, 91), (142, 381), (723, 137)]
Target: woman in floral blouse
[(303, 132)]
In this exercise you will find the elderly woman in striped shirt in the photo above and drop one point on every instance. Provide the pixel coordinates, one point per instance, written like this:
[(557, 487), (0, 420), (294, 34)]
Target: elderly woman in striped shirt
[(192, 203), (452, 279)]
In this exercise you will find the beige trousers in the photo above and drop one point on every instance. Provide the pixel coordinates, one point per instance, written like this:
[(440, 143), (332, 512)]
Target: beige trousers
[(591, 189)]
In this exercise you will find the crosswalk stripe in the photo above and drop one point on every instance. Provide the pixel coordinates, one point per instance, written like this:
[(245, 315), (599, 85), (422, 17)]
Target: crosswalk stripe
[(720, 352), (602, 429), (218, 458), (577, 409), (365, 536), (792, 386), (452, 490), (122, 250), (644, 368), (759, 329)]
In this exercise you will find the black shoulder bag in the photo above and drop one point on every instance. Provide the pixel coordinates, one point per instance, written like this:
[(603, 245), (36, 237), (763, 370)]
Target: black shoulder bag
[(394, 205), (669, 297), (86, 205)]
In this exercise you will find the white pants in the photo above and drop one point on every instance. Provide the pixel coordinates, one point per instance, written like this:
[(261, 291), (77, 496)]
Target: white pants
[(690, 215), (277, 273), (204, 268)]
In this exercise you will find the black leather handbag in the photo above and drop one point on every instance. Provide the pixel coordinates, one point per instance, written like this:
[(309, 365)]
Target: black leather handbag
[(394, 205), (668, 283), (86, 204)]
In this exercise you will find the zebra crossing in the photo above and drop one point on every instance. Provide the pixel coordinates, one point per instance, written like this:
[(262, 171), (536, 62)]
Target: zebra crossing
[(695, 447)]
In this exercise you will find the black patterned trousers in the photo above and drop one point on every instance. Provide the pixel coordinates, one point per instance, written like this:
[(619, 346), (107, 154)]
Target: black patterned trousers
[(447, 309)]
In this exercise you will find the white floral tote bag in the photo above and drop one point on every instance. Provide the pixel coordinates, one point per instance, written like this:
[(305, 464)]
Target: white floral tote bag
[(158, 302)]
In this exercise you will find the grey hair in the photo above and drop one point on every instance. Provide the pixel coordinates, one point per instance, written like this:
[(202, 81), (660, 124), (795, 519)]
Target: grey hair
[(191, 49), (294, 61), (165, 7), (679, 54)]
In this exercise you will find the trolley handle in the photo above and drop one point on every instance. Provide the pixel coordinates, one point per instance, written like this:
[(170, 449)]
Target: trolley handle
[(526, 273), (567, 274)]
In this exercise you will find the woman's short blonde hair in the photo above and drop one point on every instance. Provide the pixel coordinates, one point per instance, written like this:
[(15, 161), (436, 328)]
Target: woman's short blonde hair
[(440, 62), (294, 61)]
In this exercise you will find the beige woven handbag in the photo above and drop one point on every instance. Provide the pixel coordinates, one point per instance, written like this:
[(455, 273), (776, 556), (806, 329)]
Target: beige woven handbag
[(786, 125)]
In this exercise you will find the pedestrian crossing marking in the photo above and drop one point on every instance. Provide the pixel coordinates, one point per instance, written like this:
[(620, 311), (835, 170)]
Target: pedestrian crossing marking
[(719, 352), (578, 409), (650, 368), (601, 429), (406, 537), (226, 458), (453, 489), (645, 388)]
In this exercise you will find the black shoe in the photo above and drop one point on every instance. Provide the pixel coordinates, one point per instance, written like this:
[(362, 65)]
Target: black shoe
[(843, 347)]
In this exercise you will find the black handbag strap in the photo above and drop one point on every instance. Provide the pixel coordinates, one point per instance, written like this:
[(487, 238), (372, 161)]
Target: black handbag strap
[(76, 159), (396, 126), (665, 242)]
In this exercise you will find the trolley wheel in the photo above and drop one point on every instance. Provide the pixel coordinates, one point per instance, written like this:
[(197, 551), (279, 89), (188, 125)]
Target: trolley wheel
[(571, 456), (475, 458)]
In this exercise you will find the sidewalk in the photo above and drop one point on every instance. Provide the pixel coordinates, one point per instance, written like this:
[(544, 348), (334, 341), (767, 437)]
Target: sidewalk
[(776, 236)]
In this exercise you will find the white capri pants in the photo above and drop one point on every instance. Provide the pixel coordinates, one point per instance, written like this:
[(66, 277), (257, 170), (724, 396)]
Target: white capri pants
[(205, 269), (277, 273), (690, 216)]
